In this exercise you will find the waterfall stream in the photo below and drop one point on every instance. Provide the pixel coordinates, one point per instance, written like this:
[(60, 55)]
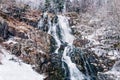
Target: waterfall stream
[(75, 74), (61, 28)]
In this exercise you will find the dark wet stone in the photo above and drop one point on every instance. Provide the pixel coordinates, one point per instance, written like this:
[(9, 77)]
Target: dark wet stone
[(52, 45), (4, 30), (67, 79)]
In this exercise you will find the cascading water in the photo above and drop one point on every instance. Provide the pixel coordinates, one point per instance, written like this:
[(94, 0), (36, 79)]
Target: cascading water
[(66, 37), (75, 74)]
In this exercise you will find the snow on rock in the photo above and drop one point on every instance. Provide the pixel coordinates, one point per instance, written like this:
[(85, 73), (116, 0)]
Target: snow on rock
[(14, 69), (113, 74), (98, 51), (35, 4), (11, 41), (113, 54), (110, 75)]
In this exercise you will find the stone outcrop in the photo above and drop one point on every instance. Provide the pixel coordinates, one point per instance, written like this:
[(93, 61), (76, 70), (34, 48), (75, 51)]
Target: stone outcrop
[(28, 43)]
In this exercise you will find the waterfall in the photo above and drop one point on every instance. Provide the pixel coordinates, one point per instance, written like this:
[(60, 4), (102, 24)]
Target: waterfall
[(67, 38), (75, 74)]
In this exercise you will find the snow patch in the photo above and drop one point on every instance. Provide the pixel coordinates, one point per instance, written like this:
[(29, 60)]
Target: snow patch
[(11, 40), (14, 70)]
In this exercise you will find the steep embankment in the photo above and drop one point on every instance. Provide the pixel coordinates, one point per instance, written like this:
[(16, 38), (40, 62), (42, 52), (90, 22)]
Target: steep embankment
[(102, 37), (29, 44), (12, 68)]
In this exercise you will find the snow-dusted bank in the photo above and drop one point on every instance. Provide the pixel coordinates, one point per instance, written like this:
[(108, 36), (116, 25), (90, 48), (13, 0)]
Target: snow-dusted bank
[(34, 4), (11, 69)]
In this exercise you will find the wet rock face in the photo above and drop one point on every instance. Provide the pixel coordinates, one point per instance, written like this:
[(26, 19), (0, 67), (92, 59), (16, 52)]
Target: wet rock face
[(87, 61), (84, 61), (45, 23), (55, 68), (52, 45), (4, 30)]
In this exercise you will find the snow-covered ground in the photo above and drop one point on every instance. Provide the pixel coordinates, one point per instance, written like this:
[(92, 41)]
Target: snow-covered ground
[(11, 69), (113, 74)]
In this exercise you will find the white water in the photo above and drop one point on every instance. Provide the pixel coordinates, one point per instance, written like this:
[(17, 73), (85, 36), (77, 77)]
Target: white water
[(66, 31), (75, 74), (67, 37)]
